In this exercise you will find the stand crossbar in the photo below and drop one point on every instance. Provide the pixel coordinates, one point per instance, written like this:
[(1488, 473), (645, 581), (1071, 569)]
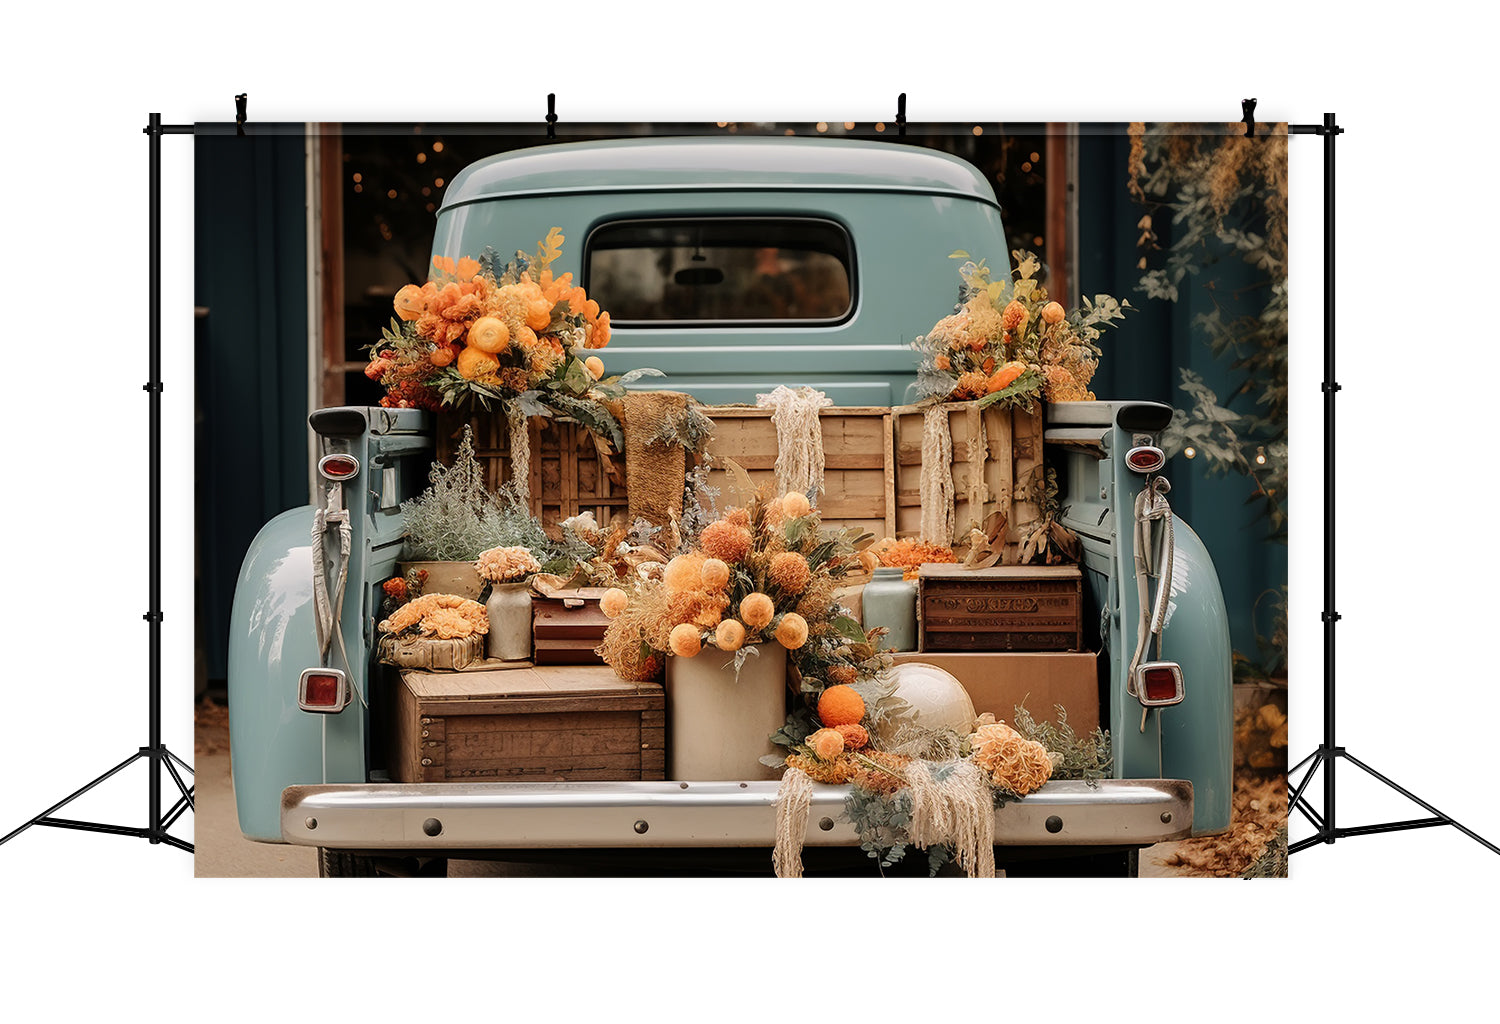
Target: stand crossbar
[(1329, 753), (155, 753)]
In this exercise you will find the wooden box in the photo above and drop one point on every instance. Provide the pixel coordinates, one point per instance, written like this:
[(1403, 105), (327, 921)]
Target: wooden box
[(996, 453), (859, 470), (570, 471), (567, 626), (1004, 608), (563, 723)]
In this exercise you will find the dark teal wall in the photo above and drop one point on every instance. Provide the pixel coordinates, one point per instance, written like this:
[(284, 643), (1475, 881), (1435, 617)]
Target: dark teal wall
[(250, 262), (1141, 362)]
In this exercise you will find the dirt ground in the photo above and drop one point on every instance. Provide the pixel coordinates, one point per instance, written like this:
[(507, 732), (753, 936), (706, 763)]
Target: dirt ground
[(221, 852)]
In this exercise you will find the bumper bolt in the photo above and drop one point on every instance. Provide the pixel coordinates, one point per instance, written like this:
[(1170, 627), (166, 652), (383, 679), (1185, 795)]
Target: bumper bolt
[(1054, 824), (432, 826), (826, 824), (641, 827), (311, 823), (1166, 817)]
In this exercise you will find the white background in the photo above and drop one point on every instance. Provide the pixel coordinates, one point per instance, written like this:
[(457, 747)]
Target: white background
[(1374, 927)]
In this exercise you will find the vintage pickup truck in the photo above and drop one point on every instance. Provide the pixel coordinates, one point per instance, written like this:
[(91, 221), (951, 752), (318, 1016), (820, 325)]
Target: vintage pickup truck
[(871, 223)]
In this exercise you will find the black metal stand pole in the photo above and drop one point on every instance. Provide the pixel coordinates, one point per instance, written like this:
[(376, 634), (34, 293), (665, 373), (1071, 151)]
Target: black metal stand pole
[(159, 758), (1329, 753)]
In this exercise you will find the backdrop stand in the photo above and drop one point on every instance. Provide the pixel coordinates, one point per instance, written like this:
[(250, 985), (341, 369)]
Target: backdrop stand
[(1329, 753), (155, 753), (1326, 756)]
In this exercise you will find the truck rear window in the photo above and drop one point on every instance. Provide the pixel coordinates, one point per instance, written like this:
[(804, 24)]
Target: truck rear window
[(738, 270)]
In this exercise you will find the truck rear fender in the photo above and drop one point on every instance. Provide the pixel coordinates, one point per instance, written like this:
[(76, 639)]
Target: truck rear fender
[(273, 637)]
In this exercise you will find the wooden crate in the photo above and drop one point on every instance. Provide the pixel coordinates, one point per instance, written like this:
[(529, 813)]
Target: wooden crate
[(1004, 608), (568, 475), (859, 470), (566, 627), (563, 723), (1005, 445)]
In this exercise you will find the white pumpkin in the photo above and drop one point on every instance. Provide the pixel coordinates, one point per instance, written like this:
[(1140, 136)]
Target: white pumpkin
[(937, 698)]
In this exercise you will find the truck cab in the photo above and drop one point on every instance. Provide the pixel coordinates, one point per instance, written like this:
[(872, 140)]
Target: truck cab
[(733, 266)]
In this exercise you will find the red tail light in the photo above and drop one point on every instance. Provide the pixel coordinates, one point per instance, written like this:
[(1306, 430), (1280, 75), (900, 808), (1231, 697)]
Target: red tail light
[(1145, 458), (1159, 684), (338, 467), (324, 690)]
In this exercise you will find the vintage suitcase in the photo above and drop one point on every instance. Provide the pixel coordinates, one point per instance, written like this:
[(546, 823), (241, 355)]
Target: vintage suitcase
[(1004, 608), (570, 723), (566, 626)]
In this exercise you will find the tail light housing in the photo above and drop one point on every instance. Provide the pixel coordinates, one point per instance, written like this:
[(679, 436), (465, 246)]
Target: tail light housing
[(1158, 684), (338, 466), (1145, 458), (323, 690)]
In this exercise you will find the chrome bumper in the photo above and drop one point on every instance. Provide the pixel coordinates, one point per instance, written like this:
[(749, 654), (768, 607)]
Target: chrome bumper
[(541, 815)]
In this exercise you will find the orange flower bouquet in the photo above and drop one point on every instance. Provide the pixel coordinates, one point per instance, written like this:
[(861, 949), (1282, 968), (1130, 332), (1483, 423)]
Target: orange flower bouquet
[(758, 574), (481, 331), (1007, 342)]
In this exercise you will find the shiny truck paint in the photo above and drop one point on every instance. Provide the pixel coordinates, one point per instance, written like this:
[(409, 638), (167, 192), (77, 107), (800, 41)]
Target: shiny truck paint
[(273, 635), (1192, 740), (905, 210)]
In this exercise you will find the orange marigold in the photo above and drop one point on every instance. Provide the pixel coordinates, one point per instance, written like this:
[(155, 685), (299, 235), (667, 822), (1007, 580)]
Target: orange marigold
[(795, 505), (725, 541), (395, 588), (970, 385), (738, 516), (840, 705), (1014, 315), (473, 363), (789, 572), (715, 574), (684, 573), (855, 736)]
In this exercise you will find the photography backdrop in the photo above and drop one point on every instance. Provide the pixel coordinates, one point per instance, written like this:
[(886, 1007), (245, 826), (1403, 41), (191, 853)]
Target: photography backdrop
[(1185, 221)]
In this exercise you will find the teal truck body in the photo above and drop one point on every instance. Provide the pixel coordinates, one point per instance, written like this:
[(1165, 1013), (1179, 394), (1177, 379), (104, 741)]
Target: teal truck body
[(888, 215)]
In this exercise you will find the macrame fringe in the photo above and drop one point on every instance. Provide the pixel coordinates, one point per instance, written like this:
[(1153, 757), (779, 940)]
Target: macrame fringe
[(793, 808), (520, 453), (957, 811), (799, 437), (936, 482)]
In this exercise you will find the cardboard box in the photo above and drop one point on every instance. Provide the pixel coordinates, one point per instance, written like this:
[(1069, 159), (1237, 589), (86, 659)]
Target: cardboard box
[(997, 682)]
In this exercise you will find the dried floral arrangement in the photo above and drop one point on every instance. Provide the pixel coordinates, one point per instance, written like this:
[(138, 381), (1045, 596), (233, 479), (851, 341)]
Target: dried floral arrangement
[(481, 332), (1007, 342), (507, 565), (760, 573), (933, 790), (909, 554), (437, 617)]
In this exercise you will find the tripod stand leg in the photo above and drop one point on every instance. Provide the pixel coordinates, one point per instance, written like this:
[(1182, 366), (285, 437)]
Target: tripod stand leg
[(132, 759), (180, 762), (1421, 803), (182, 786), (1295, 795)]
